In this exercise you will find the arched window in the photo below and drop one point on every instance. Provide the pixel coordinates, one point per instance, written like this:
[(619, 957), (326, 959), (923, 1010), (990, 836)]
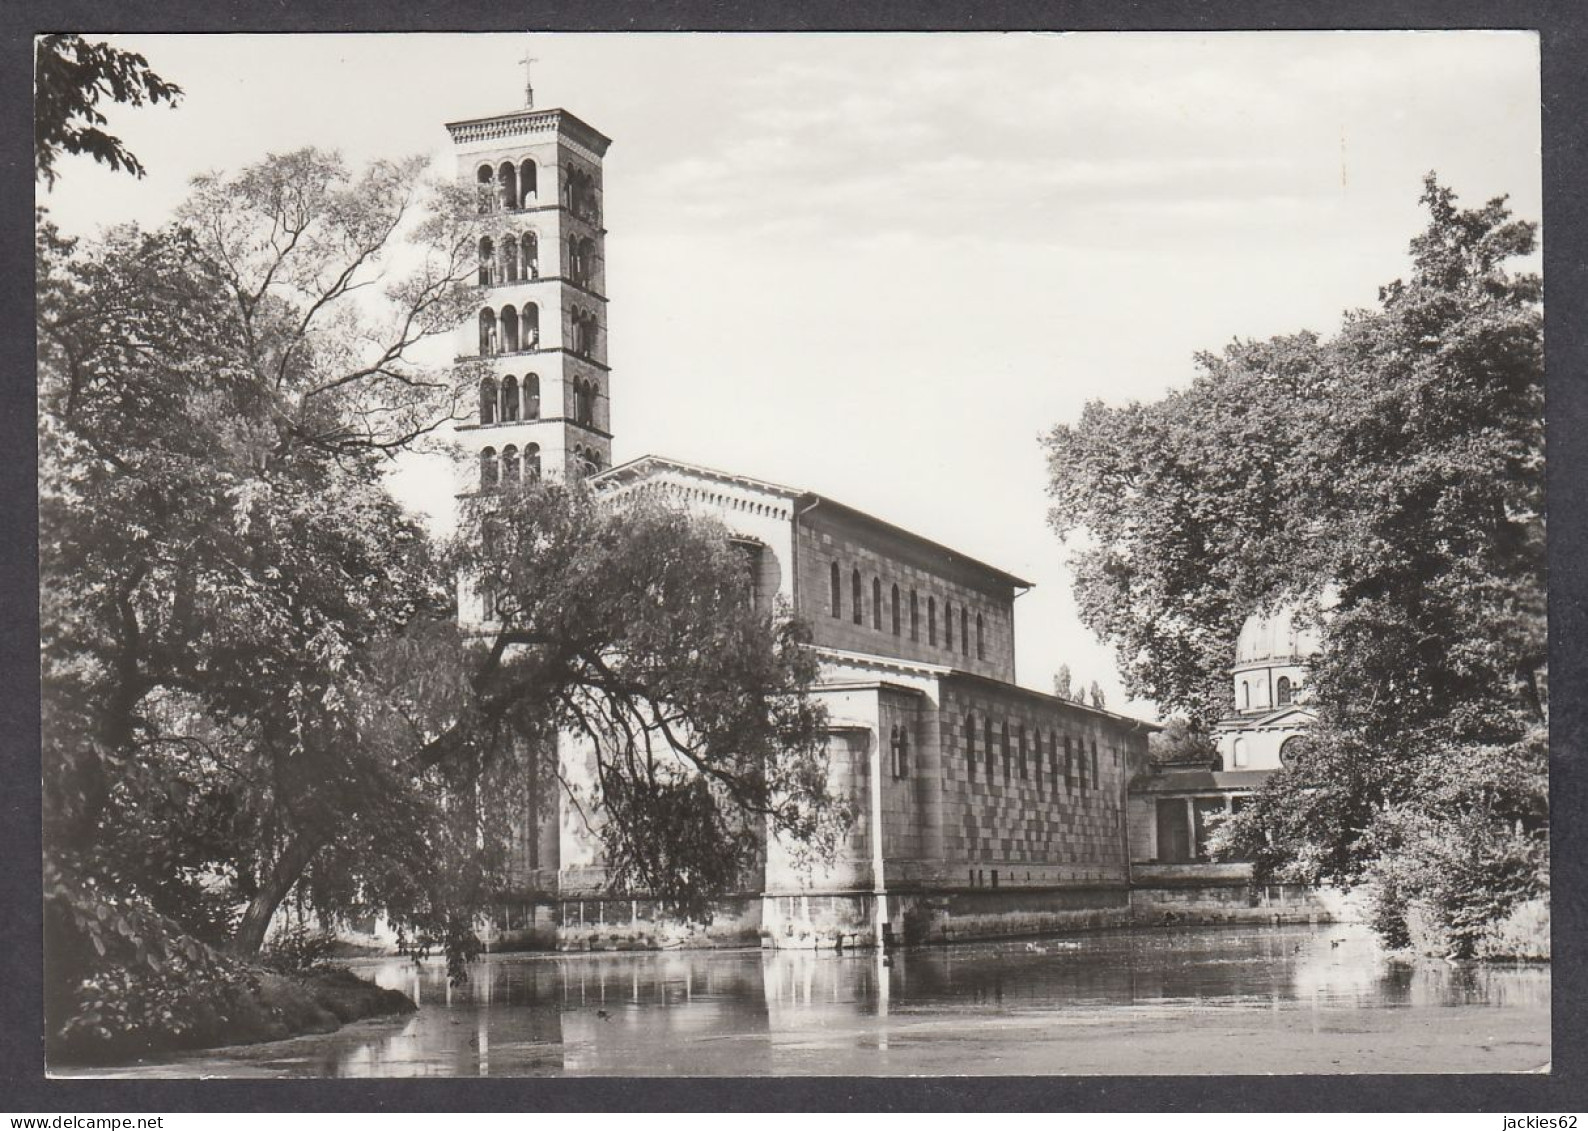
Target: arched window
[(487, 332), (1036, 757), (931, 620), (1023, 767), (487, 261), (528, 183), (987, 734), (531, 461), (581, 334), (856, 612), (509, 399), (488, 469), (981, 638), (837, 593), (1097, 780), (915, 617), (584, 402), (507, 181), (876, 603), (1238, 755), (1004, 744), (487, 600), (529, 255), (486, 179), (531, 326), (895, 608), (509, 330), (970, 746), (1246, 695), (1282, 692), (488, 401), (510, 464), (581, 260), (532, 396), (1291, 749), (510, 260), (1069, 764), (964, 631), (901, 751), (948, 625), (1053, 758)]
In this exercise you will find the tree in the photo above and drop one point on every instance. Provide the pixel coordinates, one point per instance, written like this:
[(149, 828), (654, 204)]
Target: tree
[(70, 77), (1062, 681), (1398, 467), (1181, 742), (255, 685), (626, 624)]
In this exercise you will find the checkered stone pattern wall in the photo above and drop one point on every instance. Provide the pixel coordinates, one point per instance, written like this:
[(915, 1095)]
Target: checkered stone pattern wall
[(818, 547), (1037, 828)]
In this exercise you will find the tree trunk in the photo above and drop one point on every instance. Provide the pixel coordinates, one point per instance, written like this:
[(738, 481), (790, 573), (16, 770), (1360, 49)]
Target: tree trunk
[(289, 866)]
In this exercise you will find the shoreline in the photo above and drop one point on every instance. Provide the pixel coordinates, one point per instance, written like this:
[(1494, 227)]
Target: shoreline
[(270, 1007)]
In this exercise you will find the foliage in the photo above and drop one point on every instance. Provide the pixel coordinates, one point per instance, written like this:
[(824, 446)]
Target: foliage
[(299, 946), (219, 556), (70, 77), (1397, 467), (627, 623), (1181, 742), (121, 977)]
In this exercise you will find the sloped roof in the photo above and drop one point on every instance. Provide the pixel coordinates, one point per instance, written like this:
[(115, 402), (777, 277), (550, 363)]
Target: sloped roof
[(802, 501)]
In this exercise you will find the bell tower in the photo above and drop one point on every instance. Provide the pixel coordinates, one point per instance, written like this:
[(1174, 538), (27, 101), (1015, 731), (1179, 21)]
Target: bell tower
[(541, 323)]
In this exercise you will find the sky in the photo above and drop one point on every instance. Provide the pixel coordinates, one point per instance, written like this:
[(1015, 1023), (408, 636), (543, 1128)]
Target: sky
[(881, 266)]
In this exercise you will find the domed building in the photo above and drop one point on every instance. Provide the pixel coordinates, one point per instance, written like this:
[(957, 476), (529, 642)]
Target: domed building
[(1269, 681), (1174, 807)]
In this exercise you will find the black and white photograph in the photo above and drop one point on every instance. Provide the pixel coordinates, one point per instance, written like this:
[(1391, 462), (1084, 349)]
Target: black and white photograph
[(815, 554)]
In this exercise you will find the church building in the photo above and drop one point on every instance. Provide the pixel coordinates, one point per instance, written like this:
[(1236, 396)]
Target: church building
[(982, 807), (1173, 807)]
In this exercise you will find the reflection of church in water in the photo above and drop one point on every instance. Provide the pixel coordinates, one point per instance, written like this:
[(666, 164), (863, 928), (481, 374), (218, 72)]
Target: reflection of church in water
[(983, 807)]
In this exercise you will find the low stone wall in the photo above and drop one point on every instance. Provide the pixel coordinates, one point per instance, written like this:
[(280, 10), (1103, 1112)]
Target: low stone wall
[(819, 922), (623, 924), (1160, 894), (1223, 893)]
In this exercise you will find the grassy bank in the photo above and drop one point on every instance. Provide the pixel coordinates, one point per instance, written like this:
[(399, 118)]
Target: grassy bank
[(256, 1004)]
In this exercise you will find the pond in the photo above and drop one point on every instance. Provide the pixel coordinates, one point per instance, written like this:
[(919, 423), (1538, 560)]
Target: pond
[(1147, 1001)]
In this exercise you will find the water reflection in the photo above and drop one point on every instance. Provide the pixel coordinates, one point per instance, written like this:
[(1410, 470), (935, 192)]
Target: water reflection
[(967, 1008)]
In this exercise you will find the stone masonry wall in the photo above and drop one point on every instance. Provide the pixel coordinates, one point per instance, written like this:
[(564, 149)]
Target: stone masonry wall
[(1038, 828), (822, 540)]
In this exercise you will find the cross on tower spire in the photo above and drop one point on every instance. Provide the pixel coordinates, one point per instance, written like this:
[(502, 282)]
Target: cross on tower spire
[(529, 86)]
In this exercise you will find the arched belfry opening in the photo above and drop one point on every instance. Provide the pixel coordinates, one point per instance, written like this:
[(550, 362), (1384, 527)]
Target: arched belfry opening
[(507, 182)]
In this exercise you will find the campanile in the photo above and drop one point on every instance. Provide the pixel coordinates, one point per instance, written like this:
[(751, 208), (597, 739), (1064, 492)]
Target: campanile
[(541, 325)]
